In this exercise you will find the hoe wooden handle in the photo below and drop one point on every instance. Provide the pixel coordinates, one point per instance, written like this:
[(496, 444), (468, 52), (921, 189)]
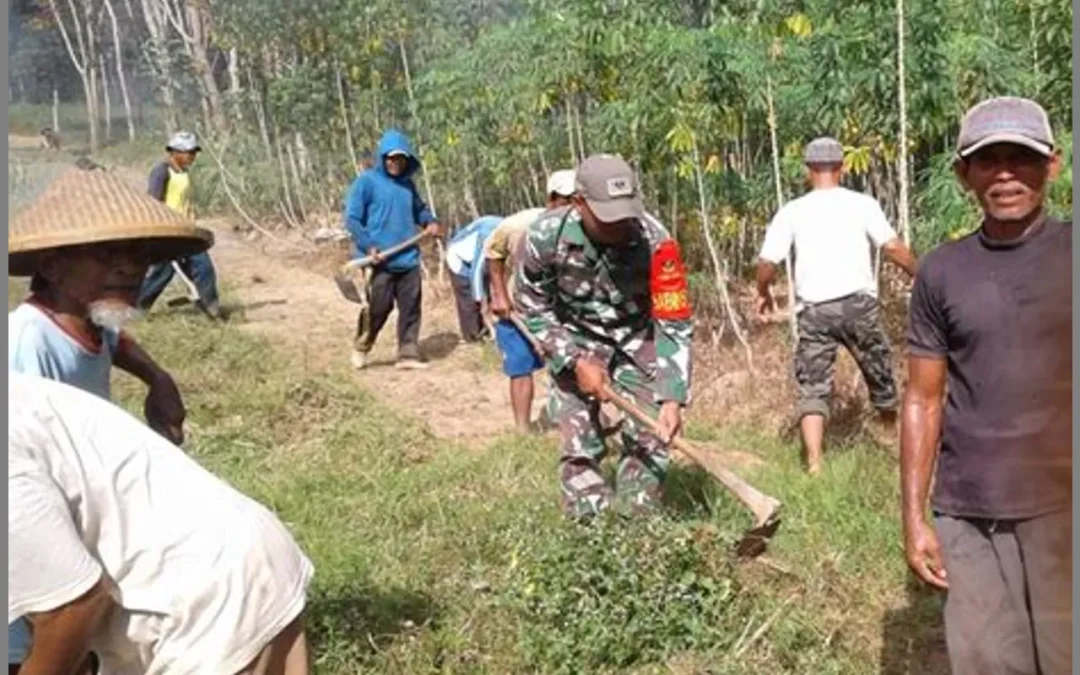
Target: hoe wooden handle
[(396, 248)]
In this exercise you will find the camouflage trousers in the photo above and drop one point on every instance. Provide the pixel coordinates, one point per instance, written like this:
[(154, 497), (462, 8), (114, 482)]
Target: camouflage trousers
[(644, 459), (852, 321)]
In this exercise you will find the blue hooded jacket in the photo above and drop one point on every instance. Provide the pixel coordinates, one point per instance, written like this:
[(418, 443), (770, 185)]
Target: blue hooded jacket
[(383, 210)]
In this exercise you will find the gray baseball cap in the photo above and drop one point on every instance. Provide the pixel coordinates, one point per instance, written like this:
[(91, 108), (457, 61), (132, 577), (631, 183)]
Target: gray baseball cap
[(609, 187), (824, 150), (183, 141), (1006, 119)]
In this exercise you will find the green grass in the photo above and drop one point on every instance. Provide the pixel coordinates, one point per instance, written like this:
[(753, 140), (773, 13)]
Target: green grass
[(434, 557)]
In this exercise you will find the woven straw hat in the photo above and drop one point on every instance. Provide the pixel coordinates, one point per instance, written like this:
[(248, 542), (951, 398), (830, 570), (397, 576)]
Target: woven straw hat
[(88, 207)]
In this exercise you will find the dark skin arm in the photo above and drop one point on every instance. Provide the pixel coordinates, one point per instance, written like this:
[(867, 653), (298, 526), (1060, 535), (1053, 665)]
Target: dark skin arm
[(61, 636), (766, 274), (164, 409), (500, 296), (919, 437)]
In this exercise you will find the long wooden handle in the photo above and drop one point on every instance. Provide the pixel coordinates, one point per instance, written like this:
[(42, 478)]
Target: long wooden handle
[(764, 507), (396, 248)]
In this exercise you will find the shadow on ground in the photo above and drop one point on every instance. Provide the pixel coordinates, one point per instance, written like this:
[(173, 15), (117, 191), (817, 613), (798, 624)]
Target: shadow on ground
[(913, 638), (690, 492), (234, 311), (439, 345), (365, 620)]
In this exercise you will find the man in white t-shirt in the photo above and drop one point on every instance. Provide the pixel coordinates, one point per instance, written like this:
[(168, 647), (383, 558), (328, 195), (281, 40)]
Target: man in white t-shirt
[(110, 552), (831, 229)]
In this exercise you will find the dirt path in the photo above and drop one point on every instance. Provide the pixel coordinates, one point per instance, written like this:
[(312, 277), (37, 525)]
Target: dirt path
[(462, 395)]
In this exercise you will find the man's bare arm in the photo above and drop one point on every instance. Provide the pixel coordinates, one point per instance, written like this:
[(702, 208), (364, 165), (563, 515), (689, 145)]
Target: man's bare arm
[(62, 636), (920, 434), (899, 253), (133, 359), (766, 273), (500, 295)]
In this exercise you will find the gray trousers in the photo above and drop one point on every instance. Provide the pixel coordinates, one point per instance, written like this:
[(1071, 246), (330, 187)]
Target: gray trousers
[(1009, 604)]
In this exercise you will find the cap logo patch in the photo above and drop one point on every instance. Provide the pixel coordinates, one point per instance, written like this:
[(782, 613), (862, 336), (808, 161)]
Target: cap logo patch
[(620, 186)]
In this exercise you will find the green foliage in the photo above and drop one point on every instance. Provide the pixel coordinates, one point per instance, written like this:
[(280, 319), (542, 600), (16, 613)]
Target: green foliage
[(616, 594), (496, 92)]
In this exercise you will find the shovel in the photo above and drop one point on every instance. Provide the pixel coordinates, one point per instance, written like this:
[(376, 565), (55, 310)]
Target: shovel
[(348, 277), (765, 509)]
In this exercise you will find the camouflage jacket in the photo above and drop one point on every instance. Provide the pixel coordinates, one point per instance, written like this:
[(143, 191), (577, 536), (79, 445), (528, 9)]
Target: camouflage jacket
[(580, 299)]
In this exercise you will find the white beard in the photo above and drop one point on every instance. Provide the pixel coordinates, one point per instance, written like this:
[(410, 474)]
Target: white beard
[(112, 314)]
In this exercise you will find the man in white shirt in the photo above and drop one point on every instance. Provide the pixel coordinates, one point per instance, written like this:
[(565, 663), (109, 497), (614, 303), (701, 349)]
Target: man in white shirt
[(831, 229), (121, 544)]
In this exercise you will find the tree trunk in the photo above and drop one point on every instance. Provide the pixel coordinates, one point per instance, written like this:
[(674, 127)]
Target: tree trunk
[(289, 207), (719, 269), (82, 60), (235, 88), (302, 155), (193, 22), (301, 212), (56, 110), (260, 115), (580, 135), (118, 48), (344, 106), (675, 204), (153, 15), (375, 102), (416, 120), (570, 134), (780, 202), (905, 228), (543, 164), (105, 98)]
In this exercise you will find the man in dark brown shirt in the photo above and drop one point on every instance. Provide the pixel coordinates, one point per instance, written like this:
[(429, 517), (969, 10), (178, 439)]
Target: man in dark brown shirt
[(991, 318)]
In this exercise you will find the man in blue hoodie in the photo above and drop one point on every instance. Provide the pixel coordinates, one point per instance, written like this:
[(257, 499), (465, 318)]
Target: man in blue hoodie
[(383, 208)]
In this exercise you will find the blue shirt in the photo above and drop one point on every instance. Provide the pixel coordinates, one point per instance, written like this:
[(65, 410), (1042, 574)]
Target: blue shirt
[(467, 248), (38, 346)]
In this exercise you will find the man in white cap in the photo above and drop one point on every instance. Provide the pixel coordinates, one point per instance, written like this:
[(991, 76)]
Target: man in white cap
[(122, 545), (501, 250), (86, 243), (991, 327), (170, 182), (830, 229), (603, 289)]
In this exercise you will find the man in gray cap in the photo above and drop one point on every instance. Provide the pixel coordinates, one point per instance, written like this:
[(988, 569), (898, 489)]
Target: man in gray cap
[(602, 287), (170, 182), (991, 324), (830, 229)]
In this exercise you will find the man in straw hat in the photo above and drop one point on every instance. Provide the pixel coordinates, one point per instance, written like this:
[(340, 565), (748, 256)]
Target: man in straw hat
[(170, 182), (830, 230), (122, 544), (991, 325), (603, 288), (86, 244)]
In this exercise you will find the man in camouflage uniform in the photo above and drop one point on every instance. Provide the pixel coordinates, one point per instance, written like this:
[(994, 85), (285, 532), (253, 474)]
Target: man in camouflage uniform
[(830, 229), (602, 287)]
